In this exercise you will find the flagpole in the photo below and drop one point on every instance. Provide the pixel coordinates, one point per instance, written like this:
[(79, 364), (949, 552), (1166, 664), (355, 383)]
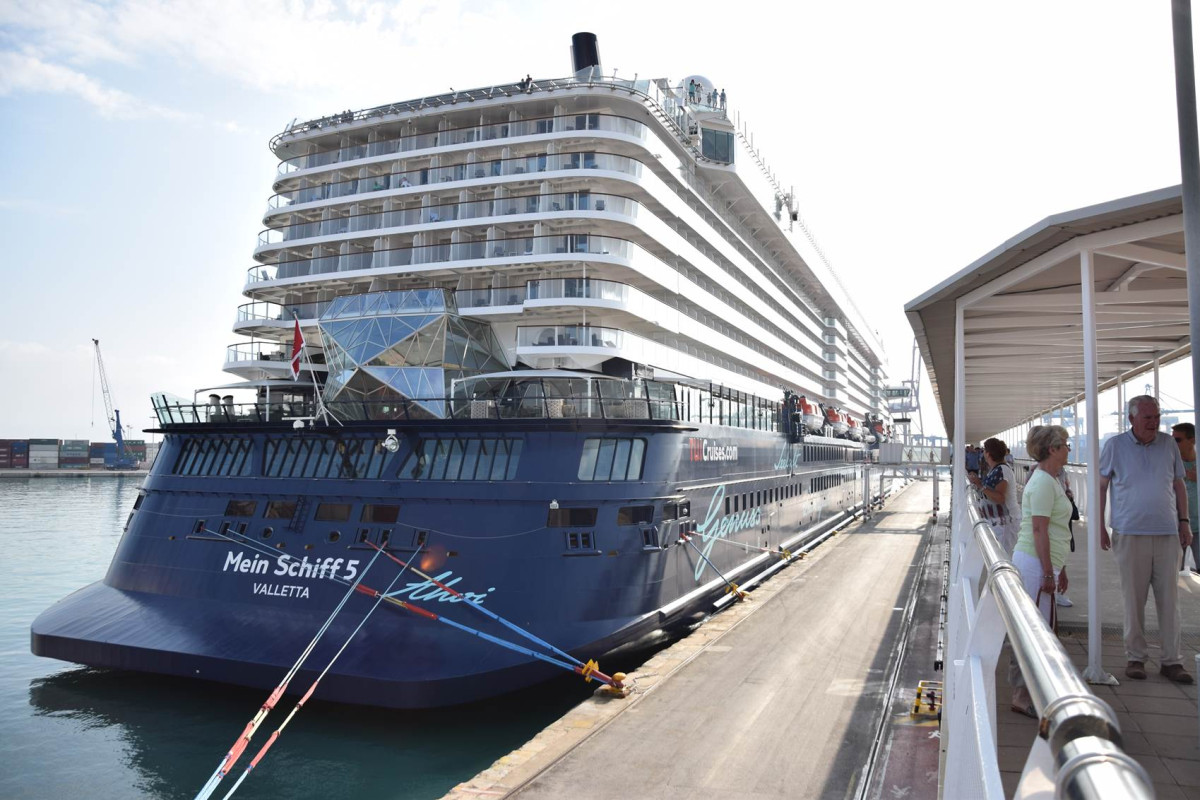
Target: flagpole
[(299, 345)]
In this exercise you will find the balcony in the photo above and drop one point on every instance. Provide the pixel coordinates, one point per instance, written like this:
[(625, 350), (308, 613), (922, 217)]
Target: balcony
[(590, 336), (449, 212), (480, 170), (409, 145), (533, 246), (259, 360)]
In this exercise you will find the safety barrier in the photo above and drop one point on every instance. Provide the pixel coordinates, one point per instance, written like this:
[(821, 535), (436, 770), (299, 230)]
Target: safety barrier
[(1079, 743)]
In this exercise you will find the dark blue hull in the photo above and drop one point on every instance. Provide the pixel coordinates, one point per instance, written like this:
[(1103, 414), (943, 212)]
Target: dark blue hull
[(242, 543)]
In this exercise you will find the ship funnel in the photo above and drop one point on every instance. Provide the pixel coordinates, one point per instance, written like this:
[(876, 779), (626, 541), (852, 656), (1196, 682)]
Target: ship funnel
[(585, 56)]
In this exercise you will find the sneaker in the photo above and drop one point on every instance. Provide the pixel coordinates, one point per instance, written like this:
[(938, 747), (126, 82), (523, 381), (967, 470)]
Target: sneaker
[(1137, 670), (1064, 601), (1176, 673)]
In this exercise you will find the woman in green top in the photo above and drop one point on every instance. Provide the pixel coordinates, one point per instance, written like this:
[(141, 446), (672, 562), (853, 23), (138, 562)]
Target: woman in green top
[(1044, 539)]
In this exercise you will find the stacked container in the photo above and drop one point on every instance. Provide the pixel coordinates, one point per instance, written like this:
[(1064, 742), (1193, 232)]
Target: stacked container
[(6, 453), (151, 452), (43, 453), (20, 454), (136, 449), (96, 454), (73, 454)]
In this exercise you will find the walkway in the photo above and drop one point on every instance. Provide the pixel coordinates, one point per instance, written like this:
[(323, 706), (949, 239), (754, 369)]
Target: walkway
[(778, 697), (1158, 718)]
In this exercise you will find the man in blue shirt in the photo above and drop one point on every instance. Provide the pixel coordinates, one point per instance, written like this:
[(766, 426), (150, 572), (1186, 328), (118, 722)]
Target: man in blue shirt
[(1150, 523), (972, 459)]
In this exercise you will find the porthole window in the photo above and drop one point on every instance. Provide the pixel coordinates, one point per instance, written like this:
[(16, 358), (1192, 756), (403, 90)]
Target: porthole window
[(267, 532), (333, 536)]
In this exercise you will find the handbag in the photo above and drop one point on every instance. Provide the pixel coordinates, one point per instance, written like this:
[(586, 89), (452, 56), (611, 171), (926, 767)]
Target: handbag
[(1053, 608)]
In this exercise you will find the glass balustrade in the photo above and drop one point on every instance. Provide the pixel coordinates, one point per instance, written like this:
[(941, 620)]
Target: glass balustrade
[(495, 296), (256, 351), (569, 336), (268, 351), (452, 212), (576, 244), (591, 288), (456, 172), (467, 135), (272, 312)]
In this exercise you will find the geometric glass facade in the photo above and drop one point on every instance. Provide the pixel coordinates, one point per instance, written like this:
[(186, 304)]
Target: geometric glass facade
[(385, 347)]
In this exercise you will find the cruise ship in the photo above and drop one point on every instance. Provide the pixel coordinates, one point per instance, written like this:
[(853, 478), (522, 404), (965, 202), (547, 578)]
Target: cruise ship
[(562, 350)]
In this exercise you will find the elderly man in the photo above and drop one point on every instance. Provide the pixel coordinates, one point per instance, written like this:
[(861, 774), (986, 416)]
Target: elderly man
[(1150, 523)]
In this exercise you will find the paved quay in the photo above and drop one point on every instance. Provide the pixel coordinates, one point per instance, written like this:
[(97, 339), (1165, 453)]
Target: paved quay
[(778, 697), (73, 473), (1158, 718)]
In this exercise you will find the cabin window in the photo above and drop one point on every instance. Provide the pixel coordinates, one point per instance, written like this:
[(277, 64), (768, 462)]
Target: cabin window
[(323, 458), (280, 509), (637, 515), (333, 512), (580, 540), (717, 145), (571, 518), (463, 459), (612, 459), (383, 514), (240, 508), (208, 457)]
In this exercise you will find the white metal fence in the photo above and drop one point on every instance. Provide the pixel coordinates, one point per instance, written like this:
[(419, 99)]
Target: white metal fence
[(1078, 749)]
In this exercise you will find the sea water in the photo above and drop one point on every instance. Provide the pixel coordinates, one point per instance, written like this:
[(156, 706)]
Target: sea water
[(68, 731)]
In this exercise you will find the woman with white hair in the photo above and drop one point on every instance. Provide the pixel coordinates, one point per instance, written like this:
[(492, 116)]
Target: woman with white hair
[(1043, 542)]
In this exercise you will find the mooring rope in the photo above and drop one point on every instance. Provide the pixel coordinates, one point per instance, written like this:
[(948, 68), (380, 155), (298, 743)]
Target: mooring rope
[(480, 608), (242, 741), (730, 586), (278, 731), (588, 670)]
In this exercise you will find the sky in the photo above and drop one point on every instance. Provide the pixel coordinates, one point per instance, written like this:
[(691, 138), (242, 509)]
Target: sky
[(134, 166)]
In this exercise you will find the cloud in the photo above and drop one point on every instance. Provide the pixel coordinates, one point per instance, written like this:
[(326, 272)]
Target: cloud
[(26, 73)]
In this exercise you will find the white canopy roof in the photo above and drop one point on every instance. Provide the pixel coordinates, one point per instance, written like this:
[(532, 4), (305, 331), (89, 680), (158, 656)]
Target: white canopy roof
[(1022, 311)]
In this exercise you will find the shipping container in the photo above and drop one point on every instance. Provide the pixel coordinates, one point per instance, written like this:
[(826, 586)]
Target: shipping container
[(54, 442), (96, 450), (20, 446), (96, 462), (6, 460), (20, 460)]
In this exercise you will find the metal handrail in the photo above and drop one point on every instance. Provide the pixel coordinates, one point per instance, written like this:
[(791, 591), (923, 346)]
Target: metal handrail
[(1081, 730)]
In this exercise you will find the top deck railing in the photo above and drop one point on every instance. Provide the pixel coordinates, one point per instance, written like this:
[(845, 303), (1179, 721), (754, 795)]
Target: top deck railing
[(500, 398), (1079, 738)]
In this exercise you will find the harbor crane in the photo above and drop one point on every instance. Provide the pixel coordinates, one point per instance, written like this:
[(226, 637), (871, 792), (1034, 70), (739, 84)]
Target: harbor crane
[(124, 459)]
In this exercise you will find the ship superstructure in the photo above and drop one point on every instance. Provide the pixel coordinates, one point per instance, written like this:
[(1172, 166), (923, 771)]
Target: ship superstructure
[(569, 348)]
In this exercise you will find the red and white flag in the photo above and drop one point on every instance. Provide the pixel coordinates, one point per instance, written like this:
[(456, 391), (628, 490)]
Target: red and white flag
[(297, 350)]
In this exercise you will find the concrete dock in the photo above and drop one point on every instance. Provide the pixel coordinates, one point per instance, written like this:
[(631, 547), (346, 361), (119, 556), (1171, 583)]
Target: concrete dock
[(787, 695)]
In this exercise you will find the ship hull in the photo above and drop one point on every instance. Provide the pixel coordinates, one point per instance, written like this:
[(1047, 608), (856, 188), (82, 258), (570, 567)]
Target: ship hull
[(205, 584)]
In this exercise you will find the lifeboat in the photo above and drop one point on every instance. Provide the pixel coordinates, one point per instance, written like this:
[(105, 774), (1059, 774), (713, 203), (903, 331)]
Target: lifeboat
[(812, 415), (835, 419), (854, 431)]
